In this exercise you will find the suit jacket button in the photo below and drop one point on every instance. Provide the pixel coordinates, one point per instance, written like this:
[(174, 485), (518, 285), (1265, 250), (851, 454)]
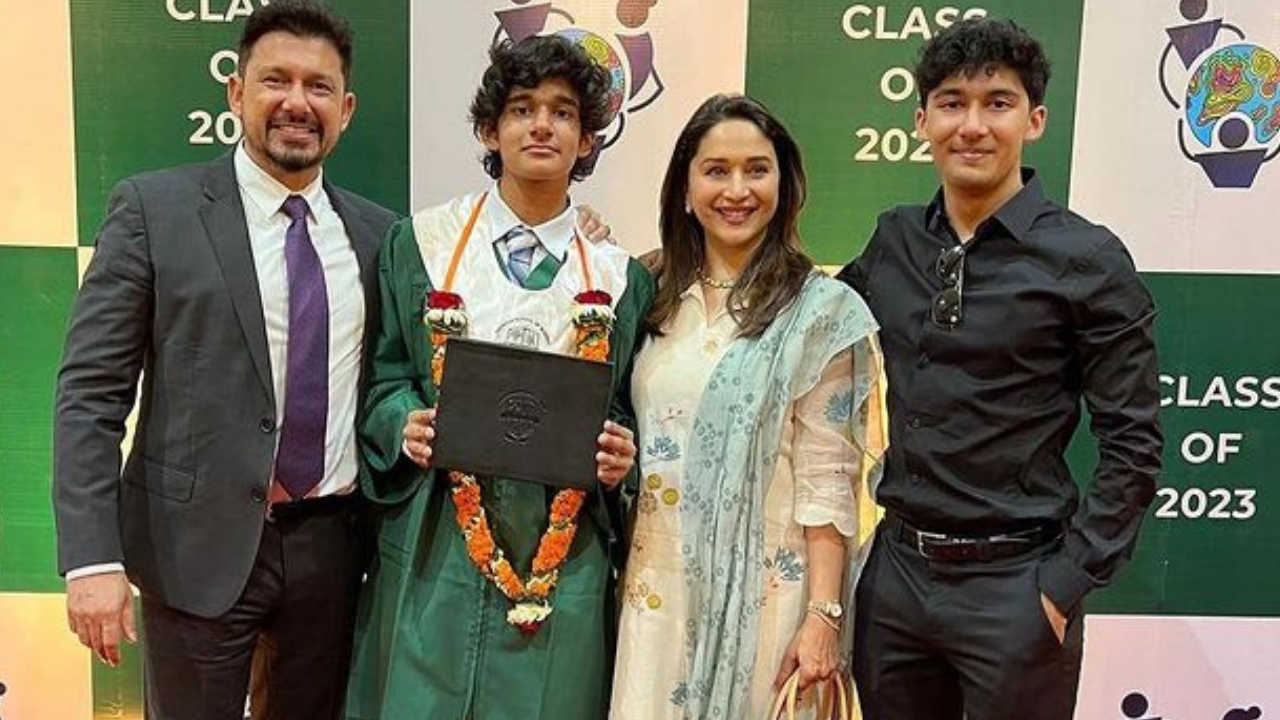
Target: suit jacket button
[(267, 425), (257, 495)]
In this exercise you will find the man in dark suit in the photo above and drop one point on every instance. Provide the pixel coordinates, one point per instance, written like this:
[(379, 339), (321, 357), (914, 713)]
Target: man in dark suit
[(242, 293)]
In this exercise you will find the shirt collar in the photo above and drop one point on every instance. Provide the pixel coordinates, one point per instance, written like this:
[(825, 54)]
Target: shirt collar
[(1016, 216), (555, 234), (695, 291), (267, 193)]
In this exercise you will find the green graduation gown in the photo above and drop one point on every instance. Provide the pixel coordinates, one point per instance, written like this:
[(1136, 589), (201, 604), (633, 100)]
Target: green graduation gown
[(432, 640)]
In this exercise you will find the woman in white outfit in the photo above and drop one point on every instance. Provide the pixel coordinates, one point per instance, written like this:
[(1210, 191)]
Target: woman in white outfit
[(758, 398)]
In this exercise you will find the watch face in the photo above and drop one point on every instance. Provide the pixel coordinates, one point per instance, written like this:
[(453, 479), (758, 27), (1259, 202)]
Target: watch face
[(830, 608)]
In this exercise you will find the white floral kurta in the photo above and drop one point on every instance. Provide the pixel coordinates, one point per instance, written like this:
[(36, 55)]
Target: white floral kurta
[(813, 485)]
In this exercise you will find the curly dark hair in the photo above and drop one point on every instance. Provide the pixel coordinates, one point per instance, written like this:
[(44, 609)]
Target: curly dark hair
[(977, 45), (303, 18), (526, 64), (778, 270)]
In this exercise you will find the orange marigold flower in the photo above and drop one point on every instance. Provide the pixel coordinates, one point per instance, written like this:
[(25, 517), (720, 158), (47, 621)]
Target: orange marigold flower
[(466, 498), (480, 544), (592, 342), (507, 579), (540, 586), (438, 340), (566, 505), (553, 549), (469, 514)]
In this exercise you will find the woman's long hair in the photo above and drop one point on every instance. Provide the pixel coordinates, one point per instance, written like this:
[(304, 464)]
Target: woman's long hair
[(778, 268)]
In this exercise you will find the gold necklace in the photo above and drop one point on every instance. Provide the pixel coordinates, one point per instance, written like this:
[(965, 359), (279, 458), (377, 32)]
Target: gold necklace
[(706, 279)]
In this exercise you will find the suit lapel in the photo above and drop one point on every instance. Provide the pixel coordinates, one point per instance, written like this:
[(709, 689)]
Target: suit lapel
[(223, 215)]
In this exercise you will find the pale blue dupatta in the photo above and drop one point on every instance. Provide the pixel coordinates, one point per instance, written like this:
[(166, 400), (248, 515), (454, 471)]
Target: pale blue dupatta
[(733, 447)]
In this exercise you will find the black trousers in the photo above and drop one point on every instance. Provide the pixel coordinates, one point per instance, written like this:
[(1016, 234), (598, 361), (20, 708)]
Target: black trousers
[(946, 641), (288, 636)]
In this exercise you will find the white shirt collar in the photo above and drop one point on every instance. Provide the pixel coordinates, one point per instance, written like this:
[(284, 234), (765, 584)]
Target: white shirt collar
[(555, 234), (267, 193)]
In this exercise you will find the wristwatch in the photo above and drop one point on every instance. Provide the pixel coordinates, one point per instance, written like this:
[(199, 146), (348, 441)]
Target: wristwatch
[(831, 609)]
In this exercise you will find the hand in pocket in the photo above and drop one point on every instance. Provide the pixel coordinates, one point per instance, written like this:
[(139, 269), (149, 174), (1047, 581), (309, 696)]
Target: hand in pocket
[(1056, 619)]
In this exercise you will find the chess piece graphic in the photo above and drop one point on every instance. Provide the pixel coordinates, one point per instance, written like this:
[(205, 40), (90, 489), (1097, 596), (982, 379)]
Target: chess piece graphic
[(1225, 89), (627, 54)]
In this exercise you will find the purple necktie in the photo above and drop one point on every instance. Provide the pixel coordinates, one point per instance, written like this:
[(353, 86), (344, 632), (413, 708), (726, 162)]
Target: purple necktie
[(300, 457)]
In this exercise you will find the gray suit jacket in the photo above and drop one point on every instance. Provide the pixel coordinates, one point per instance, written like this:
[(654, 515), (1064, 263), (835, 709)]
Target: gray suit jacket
[(171, 297)]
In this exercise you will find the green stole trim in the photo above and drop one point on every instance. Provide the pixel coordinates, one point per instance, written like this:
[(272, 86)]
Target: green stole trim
[(539, 278)]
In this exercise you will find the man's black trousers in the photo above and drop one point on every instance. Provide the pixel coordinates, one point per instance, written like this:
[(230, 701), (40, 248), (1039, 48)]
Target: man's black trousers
[(953, 640)]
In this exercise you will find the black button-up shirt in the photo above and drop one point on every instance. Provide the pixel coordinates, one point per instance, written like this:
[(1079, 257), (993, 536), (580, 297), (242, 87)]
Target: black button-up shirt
[(981, 414)]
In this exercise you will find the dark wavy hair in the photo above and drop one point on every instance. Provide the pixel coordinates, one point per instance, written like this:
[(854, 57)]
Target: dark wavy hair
[(779, 267), (526, 64), (978, 45), (303, 18)]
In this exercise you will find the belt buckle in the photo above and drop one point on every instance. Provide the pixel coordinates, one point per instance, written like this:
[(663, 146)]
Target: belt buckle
[(923, 536)]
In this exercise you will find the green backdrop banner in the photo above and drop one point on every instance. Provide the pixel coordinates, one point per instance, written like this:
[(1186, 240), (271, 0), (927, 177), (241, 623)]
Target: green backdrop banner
[(839, 75), (150, 91)]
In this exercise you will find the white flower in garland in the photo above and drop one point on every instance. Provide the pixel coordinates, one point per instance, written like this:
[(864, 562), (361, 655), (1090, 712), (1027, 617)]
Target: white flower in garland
[(528, 616)]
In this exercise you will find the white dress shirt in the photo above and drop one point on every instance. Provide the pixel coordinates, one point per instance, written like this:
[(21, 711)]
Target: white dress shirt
[(263, 196), (555, 235)]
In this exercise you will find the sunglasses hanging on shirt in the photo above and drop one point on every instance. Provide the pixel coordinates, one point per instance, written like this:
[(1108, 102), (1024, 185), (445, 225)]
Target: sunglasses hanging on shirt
[(948, 305)]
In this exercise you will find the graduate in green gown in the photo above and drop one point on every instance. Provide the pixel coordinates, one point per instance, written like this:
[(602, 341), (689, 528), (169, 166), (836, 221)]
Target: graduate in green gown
[(531, 636)]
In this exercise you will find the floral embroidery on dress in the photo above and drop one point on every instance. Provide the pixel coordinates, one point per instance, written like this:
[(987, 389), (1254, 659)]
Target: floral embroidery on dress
[(647, 502), (636, 593), (786, 563), (840, 407), (680, 694), (663, 447), (784, 566), (642, 597)]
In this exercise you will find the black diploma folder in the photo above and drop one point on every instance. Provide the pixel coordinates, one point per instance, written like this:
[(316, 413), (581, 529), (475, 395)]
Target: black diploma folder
[(511, 412)]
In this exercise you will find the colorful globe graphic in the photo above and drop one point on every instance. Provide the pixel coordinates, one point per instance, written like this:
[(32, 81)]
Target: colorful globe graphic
[(603, 53), (1237, 79)]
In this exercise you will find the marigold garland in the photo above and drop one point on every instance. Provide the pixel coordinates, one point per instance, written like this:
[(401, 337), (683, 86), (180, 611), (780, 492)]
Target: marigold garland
[(592, 318)]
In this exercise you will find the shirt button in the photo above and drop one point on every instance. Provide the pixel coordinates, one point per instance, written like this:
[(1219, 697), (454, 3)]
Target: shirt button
[(257, 495), (914, 422), (267, 425), (915, 477)]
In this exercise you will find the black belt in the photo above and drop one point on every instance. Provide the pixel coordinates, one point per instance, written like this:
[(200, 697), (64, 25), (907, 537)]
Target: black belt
[(949, 547), (316, 506)]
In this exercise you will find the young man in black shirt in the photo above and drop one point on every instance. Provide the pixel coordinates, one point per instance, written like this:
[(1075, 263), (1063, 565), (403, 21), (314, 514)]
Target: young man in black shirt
[(999, 312)]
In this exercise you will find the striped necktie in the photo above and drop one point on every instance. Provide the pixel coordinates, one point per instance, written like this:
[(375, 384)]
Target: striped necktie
[(521, 246)]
